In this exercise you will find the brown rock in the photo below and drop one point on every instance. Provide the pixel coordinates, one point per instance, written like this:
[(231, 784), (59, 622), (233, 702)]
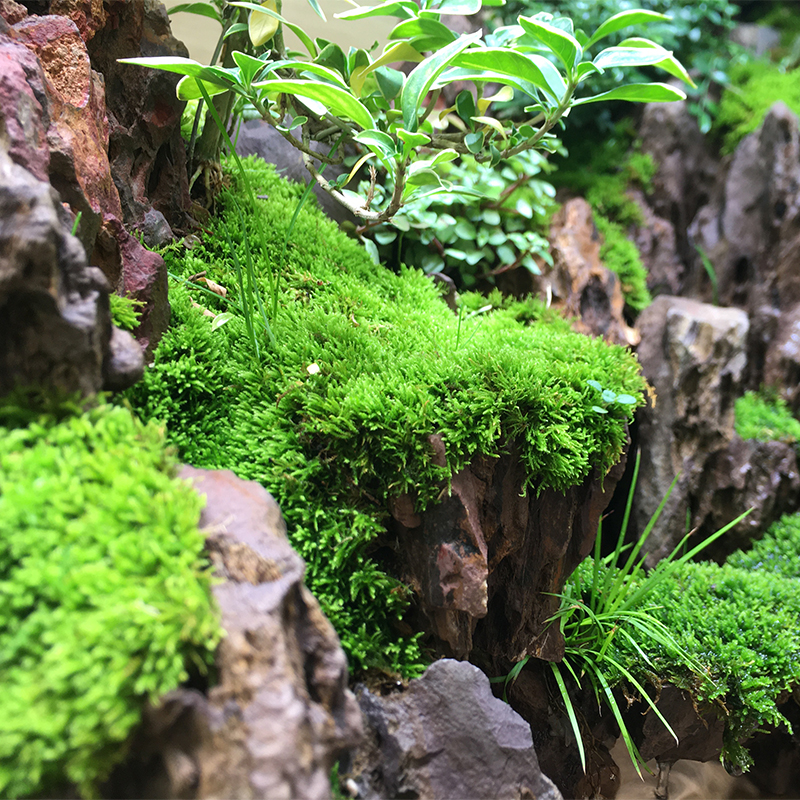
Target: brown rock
[(12, 12), (280, 713), (484, 558), (579, 283), (88, 15)]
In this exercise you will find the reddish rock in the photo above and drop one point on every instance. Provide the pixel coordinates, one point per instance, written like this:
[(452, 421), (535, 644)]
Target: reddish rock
[(88, 15), (12, 12), (578, 282), (147, 154), (484, 559), (24, 107)]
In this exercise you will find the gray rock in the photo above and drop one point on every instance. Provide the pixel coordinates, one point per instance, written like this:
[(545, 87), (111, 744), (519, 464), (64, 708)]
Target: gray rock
[(447, 736), (55, 323), (694, 355), (280, 713), (758, 38)]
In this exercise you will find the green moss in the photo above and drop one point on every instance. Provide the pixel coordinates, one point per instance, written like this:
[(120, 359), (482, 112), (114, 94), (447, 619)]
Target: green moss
[(104, 594), (125, 311), (621, 256), (390, 365), (755, 87), (778, 551), (766, 418)]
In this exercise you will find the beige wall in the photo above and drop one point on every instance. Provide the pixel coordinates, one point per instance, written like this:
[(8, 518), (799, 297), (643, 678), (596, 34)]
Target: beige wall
[(200, 34)]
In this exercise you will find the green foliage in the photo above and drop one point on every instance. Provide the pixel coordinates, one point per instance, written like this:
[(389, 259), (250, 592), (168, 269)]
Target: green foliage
[(696, 32), (367, 365), (621, 256), (389, 114), (498, 226), (766, 417), (756, 85), (104, 593), (125, 311)]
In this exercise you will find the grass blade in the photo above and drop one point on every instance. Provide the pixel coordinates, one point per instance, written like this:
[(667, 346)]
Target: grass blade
[(573, 720)]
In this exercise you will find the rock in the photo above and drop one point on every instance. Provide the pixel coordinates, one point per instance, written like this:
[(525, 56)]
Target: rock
[(280, 713), (55, 323), (446, 736), (760, 39), (259, 138), (89, 16), (579, 283), (686, 174), (694, 355), (483, 560), (146, 152)]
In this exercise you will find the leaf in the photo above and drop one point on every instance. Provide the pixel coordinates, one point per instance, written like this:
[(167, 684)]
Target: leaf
[(565, 47), (295, 29), (400, 51), (338, 101), (405, 9), (262, 27), (249, 67), (435, 34), (321, 71), (202, 9), (390, 82), (630, 57), (492, 123), (670, 64), (221, 319), (188, 88), (182, 66), (531, 68), (586, 68), (474, 142), (637, 93), (623, 20), (424, 74), (320, 13), (595, 385), (573, 720), (378, 141), (626, 399), (463, 8)]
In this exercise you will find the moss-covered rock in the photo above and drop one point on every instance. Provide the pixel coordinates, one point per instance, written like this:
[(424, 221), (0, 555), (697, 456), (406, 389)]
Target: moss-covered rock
[(105, 596), (334, 417)]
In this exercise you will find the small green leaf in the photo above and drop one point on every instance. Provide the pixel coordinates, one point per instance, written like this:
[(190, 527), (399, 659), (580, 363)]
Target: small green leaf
[(609, 396), (249, 67), (562, 44), (336, 100), (221, 319), (262, 26), (405, 9), (379, 142), (434, 33), (637, 93), (202, 9), (390, 82), (595, 385), (599, 410), (424, 74), (626, 399), (460, 7), (630, 57), (623, 20), (669, 64), (320, 13), (474, 142)]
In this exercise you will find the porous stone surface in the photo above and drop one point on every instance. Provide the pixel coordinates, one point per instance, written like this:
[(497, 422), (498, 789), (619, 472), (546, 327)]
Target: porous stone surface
[(485, 559), (579, 284), (280, 712), (694, 355), (55, 323), (446, 737)]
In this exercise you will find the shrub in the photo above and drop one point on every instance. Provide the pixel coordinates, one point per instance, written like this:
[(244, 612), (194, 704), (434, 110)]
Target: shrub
[(334, 420), (104, 594), (765, 418)]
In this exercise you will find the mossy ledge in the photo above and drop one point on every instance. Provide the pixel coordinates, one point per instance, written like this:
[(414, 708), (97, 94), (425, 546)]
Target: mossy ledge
[(105, 595), (334, 417)]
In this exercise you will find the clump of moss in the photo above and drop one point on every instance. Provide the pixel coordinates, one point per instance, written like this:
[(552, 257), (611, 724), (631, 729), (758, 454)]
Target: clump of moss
[(104, 593), (621, 256), (778, 551), (765, 418), (755, 87), (125, 311), (334, 419)]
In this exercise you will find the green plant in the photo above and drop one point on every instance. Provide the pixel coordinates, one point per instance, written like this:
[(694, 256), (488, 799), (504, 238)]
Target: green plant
[(125, 311), (778, 551), (697, 33), (605, 604), (621, 256), (105, 598), (331, 95), (765, 416), (755, 86), (336, 419), (494, 223)]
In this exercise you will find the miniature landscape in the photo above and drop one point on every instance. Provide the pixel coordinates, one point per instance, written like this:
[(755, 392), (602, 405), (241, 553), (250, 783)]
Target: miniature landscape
[(419, 420)]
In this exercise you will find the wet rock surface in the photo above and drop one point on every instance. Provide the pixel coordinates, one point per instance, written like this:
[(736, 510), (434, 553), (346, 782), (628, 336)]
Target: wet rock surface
[(55, 323), (446, 736), (484, 558), (280, 712)]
